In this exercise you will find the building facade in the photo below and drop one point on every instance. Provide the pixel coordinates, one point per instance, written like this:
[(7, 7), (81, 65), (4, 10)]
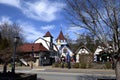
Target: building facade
[(102, 54), (62, 45), (35, 52), (45, 51), (83, 53)]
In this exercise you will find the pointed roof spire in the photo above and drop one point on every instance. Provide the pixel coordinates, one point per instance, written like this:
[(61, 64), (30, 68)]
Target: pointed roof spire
[(61, 36), (48, 34)]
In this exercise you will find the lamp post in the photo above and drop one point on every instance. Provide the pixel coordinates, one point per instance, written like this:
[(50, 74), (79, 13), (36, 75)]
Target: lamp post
[(33, 50), (32, 56), (16, 39)]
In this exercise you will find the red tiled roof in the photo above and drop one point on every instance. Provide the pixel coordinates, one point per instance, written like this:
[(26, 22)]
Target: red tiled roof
[(37, 47), (48, 34), (61, 36)]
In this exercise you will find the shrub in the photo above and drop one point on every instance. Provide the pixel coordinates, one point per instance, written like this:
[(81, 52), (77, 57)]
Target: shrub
[(83, 65), (18, 64), (75, 65), (9, 65), (108, 65), (56, 65), (65, 65), (89, 65)]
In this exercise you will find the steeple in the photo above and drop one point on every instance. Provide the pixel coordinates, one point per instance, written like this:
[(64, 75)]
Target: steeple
[(61, 36), (48, 37), (48, 34), (62, 45), (61, 40)]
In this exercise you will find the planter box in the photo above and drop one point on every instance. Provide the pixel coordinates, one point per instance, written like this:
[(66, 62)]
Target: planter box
[(17, 76)]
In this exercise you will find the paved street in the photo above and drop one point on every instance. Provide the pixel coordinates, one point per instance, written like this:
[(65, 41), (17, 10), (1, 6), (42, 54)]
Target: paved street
[(48, 73), (75, 74)]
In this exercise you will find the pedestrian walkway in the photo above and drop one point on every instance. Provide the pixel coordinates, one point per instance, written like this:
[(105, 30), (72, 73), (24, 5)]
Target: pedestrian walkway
[(102, 74), (109, 72), (74, 70)]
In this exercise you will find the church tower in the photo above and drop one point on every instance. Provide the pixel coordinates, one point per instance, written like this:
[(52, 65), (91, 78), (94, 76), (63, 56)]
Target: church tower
[(61, 40), (48, 37)]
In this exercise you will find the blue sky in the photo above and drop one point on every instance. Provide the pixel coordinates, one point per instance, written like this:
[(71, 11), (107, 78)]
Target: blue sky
[(36, 17)]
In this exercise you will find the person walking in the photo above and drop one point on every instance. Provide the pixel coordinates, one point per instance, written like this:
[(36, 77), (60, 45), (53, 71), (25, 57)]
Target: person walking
[(68, 60), (63, 61)]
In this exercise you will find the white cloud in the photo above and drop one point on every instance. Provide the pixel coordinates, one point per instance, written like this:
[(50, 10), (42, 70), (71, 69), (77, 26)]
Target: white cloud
[(42, 10), (74, 28), (74, 31), (48, 27), (15, 3), (5, 19), (30, 32)]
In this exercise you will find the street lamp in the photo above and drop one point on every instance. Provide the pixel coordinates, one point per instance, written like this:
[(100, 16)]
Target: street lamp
[(16, 39), (32, 56), (33, 50)]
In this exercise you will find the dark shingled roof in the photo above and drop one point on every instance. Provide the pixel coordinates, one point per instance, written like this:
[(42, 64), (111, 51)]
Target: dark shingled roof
[(48, 34), (61, 36)]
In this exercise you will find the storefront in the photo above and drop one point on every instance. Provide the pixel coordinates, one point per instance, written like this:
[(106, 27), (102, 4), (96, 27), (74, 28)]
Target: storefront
[(103, 57)]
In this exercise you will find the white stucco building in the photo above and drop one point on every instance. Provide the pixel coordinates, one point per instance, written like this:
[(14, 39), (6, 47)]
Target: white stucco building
[(97, 52), (82, 51), (47, 41)]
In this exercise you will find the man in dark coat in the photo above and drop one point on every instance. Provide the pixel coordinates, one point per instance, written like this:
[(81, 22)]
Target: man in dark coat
[(68, 60)]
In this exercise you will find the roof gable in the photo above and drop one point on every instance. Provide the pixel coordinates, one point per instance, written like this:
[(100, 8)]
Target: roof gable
[(98, 50), (68, 49), (46, 43), (61, 36), (83, 50), (48, 34)]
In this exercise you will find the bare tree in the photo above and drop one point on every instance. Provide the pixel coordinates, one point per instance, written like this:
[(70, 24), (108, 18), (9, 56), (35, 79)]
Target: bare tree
[(9, 31), (101, 18)]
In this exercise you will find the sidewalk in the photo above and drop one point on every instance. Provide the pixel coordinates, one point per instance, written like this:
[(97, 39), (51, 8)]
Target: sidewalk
[(95, 73), (66, 70), (76, 70)]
